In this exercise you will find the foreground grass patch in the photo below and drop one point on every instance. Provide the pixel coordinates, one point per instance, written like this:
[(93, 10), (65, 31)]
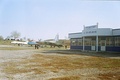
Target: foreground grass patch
[(44, 63), (69, 62), (67, 78), (110, 76), (18, 68)]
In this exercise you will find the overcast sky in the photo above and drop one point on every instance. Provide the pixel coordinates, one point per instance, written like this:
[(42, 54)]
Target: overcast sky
[(44, 19)]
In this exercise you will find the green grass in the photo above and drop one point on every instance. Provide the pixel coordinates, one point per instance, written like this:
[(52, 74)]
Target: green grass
[(5, 42)]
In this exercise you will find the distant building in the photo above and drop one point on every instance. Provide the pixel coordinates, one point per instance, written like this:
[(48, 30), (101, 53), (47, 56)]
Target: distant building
[(96, 39)]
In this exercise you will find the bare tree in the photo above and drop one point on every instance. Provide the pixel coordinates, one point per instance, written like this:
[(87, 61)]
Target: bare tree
[(15, 34)]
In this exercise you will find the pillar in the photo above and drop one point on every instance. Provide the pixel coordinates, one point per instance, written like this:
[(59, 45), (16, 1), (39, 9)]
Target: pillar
[(96, 43), (83, 43)]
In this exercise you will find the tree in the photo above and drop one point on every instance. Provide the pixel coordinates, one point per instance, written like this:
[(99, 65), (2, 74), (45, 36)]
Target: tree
[(15, 34), (1, 38)]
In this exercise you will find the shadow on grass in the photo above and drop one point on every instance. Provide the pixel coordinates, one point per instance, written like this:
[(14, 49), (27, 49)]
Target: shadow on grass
[(86, 53)]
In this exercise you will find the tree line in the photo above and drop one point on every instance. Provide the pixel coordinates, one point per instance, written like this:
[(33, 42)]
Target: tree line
[(14, 35)]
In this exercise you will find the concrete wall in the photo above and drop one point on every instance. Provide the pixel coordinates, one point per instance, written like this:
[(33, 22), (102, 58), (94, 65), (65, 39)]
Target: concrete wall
[(116, 31), (93, 32), (104, 31), (75, 35)]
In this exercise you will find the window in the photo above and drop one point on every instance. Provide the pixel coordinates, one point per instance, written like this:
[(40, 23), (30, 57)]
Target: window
[(117, 41), (87, 41), (76, 42), (102, 41), (109, 41), (93, 43), (80, 42), (72, 41)]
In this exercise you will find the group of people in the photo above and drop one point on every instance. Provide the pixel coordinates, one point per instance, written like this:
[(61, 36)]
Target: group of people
[(36, 46)]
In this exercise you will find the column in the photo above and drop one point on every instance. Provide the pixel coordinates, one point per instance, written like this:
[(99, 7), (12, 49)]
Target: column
[(96, 43), (83, 43)]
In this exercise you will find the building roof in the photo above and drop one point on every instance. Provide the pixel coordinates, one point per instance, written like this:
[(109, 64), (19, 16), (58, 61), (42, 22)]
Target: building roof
[(95, 31)]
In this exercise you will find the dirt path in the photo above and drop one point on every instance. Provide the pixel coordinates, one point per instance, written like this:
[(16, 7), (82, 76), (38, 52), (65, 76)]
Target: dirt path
[(12, 56)]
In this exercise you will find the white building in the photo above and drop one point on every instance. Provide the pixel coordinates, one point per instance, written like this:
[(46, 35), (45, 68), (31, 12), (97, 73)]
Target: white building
[(96, 39)]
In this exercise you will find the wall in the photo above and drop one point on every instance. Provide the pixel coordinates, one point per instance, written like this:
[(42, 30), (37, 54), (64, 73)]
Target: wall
[(116, 31), (99, 32), (75, 35), (93, 32)]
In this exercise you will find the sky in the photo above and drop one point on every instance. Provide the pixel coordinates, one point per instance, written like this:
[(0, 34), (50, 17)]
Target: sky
[(44, 19)]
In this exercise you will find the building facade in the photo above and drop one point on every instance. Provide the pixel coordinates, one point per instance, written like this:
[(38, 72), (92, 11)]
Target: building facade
[(96, 39)]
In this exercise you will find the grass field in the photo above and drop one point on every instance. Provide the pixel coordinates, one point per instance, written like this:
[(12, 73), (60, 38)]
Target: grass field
[(5, 42), (56, 64), (41, 64)]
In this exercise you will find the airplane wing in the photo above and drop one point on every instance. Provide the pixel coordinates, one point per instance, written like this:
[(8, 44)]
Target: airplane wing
[(19, 42)]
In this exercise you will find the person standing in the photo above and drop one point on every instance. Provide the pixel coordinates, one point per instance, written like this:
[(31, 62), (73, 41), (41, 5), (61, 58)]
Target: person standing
[(35, 46)]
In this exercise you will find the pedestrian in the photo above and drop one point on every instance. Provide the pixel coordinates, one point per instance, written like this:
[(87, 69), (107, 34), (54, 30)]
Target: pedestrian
[(65, 46), (35, 46)]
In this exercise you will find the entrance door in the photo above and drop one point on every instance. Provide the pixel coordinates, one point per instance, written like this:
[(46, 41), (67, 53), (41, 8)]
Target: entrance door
[(103, 45), (93, 43)]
